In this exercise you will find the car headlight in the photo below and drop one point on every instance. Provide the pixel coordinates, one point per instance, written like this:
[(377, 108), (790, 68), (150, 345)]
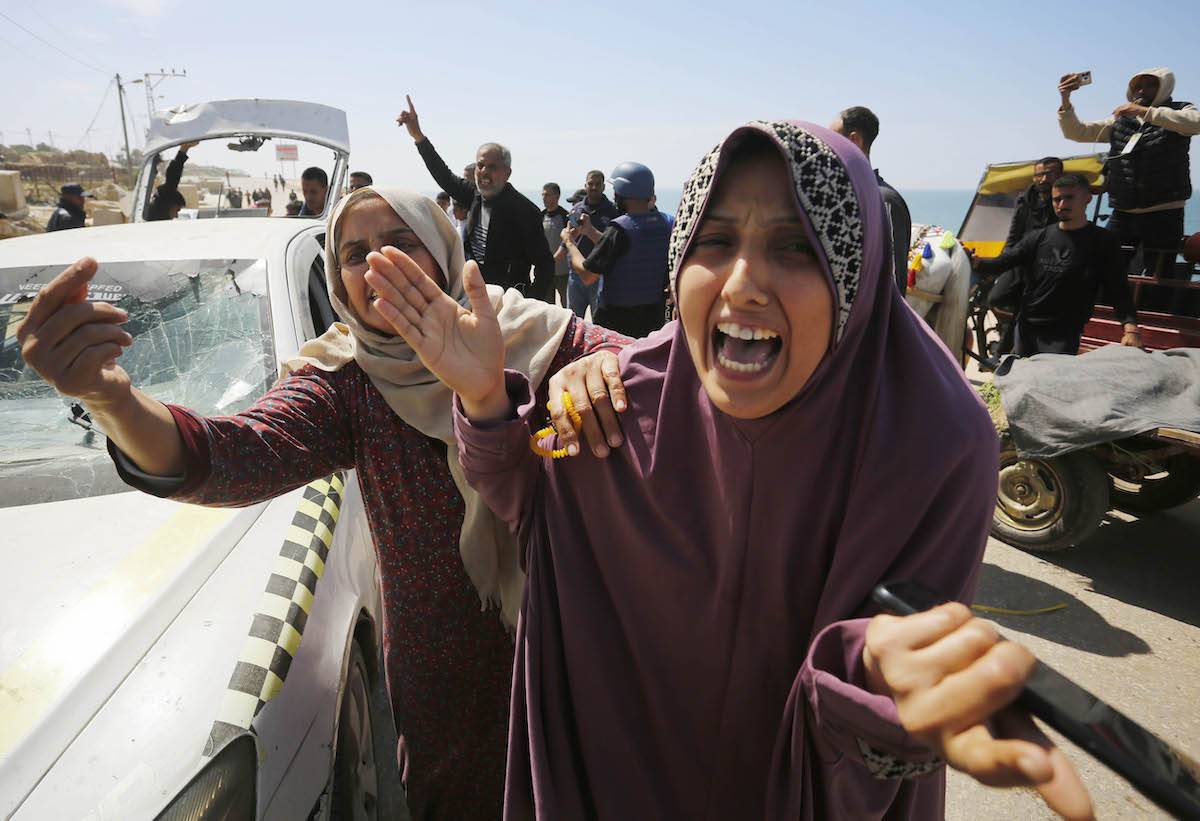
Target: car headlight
[(224, 790)]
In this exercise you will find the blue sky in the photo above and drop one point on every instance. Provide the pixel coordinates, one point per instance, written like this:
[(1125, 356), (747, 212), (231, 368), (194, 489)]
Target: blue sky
[(570, 86)]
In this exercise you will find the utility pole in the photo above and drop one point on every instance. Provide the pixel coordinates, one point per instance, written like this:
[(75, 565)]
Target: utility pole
[(151, 84), (125, 129), (29, 134), (51, 135)]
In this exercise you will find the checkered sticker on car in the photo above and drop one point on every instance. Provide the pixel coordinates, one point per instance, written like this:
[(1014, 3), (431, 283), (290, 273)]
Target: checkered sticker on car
[(278, 626)]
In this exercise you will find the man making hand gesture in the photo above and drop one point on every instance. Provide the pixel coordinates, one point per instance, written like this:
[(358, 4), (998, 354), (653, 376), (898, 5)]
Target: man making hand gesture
[(504, 228)]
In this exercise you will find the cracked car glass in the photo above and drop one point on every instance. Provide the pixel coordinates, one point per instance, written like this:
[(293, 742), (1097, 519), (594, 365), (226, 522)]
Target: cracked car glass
[(201, 339)]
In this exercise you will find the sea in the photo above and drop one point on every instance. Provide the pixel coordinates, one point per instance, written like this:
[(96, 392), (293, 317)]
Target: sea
[(944, 207)]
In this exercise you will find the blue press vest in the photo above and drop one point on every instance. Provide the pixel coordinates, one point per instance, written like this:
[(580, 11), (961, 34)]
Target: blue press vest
[(640, 274)]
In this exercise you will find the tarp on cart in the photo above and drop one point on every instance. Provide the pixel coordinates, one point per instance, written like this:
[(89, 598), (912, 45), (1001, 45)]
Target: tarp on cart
[(1057, 404)]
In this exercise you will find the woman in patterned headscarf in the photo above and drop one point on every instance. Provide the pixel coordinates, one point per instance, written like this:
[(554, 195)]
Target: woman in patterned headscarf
[(696, 639)]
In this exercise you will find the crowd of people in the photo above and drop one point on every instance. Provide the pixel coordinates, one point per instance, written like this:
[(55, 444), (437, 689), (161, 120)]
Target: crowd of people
[(1056, 262), (686, 554)]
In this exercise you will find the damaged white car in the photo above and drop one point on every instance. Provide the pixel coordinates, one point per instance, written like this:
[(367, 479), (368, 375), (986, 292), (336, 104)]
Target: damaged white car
[(165, 660), (232, 130)]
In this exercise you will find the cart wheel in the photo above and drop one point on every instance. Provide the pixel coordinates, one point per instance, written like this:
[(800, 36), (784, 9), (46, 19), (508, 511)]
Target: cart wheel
[(1045, 505), (1177, 485)]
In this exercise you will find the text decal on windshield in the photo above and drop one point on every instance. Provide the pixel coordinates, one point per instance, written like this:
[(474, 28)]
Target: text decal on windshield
[(97, 292)]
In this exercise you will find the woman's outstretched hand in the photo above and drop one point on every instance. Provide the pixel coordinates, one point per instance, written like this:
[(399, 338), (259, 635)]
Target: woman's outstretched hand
[(464, 349), (954, 680)]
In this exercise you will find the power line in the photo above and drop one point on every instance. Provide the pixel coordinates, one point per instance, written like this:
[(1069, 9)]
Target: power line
[(95, 116), (15, 47), (56, 29), (38, 37)]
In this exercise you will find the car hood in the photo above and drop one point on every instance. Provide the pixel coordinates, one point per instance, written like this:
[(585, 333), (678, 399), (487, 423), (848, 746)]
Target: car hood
[(93, 583)]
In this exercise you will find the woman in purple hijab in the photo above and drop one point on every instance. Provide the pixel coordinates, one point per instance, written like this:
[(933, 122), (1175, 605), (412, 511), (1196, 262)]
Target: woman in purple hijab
[(696, 639)]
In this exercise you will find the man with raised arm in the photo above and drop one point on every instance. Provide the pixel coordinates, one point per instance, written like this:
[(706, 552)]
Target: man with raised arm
[(504, 228), (167, 201), (1149, 181)]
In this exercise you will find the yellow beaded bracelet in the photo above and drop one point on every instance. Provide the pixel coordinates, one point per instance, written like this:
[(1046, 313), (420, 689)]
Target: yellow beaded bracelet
[(548, 431)]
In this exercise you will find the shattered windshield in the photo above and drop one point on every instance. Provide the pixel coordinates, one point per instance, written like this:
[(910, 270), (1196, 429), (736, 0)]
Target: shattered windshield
[(201, 338)]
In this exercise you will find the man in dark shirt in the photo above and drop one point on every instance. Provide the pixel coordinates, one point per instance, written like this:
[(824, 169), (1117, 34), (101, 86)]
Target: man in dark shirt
[(590, 216), (630, 257), (1062, 269), (554, 220), (1034, 211), (859, 125), (314, 187), (69, 213), (504, 228), (167, 200)]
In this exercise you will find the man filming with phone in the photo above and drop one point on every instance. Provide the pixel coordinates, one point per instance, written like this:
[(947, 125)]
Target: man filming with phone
[(1149, 180)]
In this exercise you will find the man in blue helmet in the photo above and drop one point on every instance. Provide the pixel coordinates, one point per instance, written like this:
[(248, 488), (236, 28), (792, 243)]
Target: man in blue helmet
[(630, 259)]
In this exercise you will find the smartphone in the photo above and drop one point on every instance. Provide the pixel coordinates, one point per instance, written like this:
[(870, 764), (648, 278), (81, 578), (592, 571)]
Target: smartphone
[(1147, 762), (573, 220), (1085, 78)]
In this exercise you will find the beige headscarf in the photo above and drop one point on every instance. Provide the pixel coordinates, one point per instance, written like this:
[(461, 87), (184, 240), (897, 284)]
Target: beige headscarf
[(532, 332)]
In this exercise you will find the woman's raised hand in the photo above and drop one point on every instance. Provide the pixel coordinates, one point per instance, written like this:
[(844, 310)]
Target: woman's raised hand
[(954, 680), (464, 349), (73, 344)]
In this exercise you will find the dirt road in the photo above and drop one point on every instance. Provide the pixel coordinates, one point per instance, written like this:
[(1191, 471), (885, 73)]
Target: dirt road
[(1130, 634)]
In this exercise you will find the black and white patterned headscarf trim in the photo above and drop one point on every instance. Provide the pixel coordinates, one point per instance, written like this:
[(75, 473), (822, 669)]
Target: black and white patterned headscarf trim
[(825, 192)]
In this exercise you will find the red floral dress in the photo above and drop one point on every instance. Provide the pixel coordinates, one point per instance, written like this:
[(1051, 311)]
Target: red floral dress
[(449, 664)]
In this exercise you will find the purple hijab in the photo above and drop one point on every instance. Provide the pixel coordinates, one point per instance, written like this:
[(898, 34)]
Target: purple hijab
[(690, 643)]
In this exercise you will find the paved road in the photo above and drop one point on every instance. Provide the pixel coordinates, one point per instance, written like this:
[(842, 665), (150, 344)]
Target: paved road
[(1130, 634)]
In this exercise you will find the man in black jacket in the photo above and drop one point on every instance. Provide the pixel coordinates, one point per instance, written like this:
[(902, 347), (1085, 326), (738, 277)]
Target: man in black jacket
[(69, 213), (314, 185), (859, 125), (1063, 267), (1034, 208), (167, 200), (1034, 211), (1149, 180), (504, 229)]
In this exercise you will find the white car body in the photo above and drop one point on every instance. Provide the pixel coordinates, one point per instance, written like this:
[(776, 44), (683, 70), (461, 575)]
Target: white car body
[(125, 614), (284, 119)]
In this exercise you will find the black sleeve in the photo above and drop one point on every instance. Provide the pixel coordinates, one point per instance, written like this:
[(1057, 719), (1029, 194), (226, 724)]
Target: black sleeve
[(1023, 253), (538, 252), (1016, 228), (457, 187), (55, 219), (174, 172), (159, 207), (613, 244), (1114, 280), (901, 237)]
